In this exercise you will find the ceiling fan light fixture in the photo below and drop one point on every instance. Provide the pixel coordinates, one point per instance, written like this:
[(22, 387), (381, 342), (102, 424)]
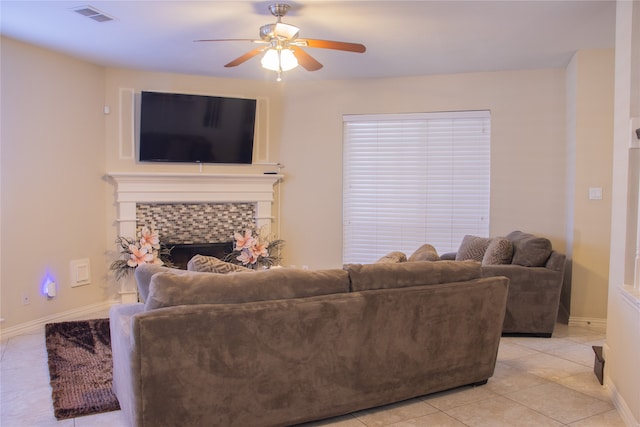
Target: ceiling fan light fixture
[(288, 60), (287, 31), (279, 30), (279, 60), (270, 60)]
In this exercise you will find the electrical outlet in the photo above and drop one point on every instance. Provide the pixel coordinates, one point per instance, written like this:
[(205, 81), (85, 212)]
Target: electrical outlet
[(26, 300)]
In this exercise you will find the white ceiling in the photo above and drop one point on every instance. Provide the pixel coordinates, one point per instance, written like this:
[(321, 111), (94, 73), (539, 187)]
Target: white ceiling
[(403, 38)]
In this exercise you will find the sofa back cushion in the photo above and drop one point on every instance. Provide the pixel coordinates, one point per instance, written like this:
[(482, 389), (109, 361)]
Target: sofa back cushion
[(529, 250), (169, 289), (425, 252), (144, 273), (393, 257), (366, 277)]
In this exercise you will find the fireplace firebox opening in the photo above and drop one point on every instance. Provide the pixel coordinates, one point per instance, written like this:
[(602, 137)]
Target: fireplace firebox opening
[(182, 253)]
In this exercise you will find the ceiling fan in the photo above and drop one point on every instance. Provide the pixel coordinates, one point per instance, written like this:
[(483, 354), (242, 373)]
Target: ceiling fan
[(283, 49)]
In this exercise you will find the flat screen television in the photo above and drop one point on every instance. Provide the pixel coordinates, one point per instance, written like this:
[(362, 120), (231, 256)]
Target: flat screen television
[(196, 128)]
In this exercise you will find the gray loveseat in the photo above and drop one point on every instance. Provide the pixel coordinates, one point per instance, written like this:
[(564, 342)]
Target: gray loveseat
[(536, 274), (286, 346)]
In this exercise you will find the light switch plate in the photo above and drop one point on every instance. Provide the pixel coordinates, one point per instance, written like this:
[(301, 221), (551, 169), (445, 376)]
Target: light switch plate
[(595, 193)]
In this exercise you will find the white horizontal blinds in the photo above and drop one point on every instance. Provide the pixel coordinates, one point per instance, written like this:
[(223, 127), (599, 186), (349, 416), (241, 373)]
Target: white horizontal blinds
[(414, 179)]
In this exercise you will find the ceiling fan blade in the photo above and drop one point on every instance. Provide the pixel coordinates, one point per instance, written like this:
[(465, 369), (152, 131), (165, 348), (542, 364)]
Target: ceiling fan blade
[(245, 57), (307, 61), (329, 44)]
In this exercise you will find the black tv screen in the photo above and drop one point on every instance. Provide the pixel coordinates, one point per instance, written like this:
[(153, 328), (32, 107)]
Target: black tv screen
[(196, 128)]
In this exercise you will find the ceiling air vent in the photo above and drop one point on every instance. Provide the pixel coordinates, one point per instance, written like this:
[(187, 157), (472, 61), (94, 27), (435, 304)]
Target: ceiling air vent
[(93, 13)]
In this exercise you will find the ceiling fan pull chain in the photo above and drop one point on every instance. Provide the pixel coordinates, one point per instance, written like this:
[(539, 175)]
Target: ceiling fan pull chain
[(279, 78)]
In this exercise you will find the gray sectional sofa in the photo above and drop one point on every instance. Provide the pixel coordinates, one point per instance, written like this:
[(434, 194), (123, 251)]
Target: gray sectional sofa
[(286, 346)]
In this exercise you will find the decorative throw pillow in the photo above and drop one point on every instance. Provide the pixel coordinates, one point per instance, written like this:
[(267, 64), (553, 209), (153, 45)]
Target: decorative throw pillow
[(393, 257), (499, 251), (472, 247), (209, 264), (425, 252), (529, 250)]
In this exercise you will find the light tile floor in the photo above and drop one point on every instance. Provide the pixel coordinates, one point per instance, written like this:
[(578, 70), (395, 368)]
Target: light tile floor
[(538, 382)]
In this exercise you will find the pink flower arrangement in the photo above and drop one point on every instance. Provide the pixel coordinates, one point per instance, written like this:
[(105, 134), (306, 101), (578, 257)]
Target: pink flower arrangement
[(252, 249), (149, 239), (139, 256), (145, 249)]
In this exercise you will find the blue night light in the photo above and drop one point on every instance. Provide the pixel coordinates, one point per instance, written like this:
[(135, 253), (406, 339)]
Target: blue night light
[(48, 286)]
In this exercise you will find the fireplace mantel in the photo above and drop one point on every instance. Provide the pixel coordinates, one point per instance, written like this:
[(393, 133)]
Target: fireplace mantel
[(193, 187), (140, 187), (132, 188)]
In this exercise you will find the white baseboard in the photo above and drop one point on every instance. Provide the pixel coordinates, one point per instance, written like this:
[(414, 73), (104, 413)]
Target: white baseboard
[(620, 404), (587, 321), (616, 398), (73, 314)]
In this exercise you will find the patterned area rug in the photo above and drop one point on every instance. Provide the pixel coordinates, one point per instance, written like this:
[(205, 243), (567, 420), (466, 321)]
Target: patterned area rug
[(80, 367)]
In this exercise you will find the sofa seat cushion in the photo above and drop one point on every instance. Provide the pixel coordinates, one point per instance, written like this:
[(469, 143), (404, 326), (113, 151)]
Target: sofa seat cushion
[(472, 248), (209, 264), (366, 277), (170, 289), (425, 252), (529, 250), (499, 251)]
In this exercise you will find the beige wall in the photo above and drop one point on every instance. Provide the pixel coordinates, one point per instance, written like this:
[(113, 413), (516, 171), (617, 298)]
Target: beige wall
[(527, 160), (300, 125), (53, 160), (590, 78)]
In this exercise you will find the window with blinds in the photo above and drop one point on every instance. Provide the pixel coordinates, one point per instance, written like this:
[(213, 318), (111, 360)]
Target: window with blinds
[(411, 179)]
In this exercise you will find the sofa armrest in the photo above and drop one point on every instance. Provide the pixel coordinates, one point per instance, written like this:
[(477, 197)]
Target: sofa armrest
[(535, 278), (122, 347), (556, 261), (534, 296)]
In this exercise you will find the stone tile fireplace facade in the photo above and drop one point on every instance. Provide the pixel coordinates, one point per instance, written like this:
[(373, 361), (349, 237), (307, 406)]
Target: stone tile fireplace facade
[(195, 228), (191, 208), (189, 223)]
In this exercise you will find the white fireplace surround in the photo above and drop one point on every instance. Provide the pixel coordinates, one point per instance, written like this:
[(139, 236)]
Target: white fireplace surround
[(133, 188)]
